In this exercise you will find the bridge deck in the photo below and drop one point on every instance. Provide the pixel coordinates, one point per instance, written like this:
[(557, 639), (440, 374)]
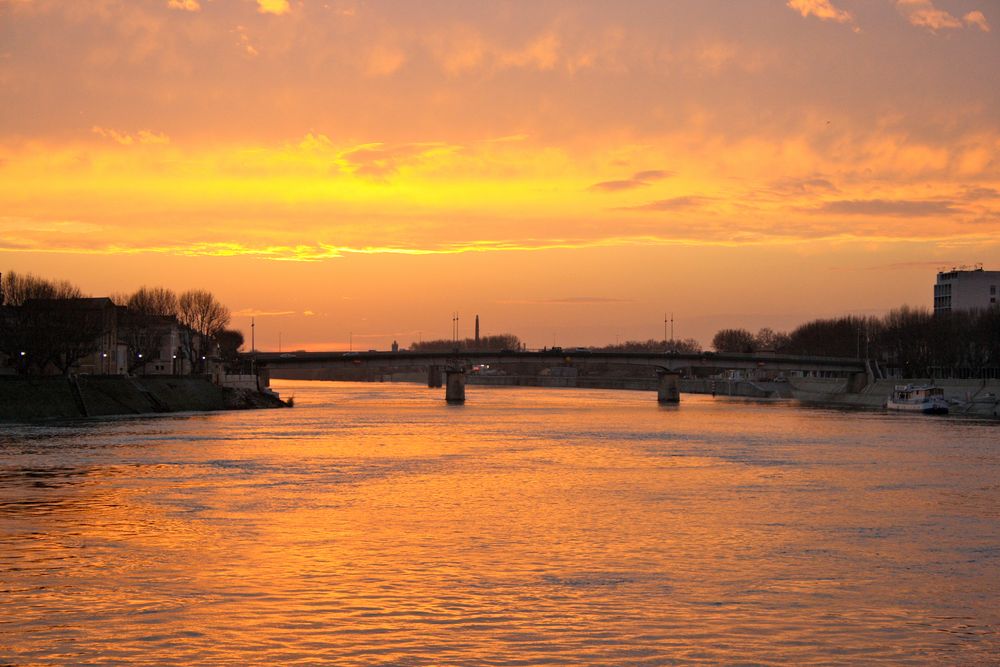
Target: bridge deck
[(666, 360)]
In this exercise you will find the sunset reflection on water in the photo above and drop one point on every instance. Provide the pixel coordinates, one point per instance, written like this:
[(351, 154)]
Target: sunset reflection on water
[(373, 524)]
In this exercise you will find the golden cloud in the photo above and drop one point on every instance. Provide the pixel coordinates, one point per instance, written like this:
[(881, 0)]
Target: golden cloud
[(185, 5), (276, 7), (978, 19), (821, 9), (923, 14), (125, 139)]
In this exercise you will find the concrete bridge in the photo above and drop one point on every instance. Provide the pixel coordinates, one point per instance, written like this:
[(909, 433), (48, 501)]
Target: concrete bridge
[(450, 368)]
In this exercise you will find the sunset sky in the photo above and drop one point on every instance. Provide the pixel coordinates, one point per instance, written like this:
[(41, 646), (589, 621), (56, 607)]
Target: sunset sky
[(568, 170)]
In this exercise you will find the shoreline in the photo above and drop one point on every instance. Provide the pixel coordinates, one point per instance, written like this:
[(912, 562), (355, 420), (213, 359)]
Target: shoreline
[(26, 399), (973, 398)]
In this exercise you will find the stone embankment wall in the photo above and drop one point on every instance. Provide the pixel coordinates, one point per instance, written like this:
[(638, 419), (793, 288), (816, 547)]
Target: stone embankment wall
[(56, 397), (970, 397)]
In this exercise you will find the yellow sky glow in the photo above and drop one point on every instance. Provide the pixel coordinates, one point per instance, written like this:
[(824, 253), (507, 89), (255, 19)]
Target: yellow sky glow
[(378, 143)]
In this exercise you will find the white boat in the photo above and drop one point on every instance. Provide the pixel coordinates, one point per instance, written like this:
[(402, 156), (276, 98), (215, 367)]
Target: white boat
[(918, 398)]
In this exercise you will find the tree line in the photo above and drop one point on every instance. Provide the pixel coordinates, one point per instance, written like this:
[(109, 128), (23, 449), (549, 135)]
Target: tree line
[(484, 344), (653, 346), (913, 342), (35, 332)]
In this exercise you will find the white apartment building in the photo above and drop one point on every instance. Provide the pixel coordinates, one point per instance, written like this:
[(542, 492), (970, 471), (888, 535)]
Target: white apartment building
[(963, 289)]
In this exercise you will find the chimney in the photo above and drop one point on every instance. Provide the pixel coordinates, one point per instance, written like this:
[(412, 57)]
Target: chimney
[(477, 330)]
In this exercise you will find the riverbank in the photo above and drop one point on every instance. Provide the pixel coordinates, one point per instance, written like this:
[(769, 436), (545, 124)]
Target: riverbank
[(978, 398), (57, 397)]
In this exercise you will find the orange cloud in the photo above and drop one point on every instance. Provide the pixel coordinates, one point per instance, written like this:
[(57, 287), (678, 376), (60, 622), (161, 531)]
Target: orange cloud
[(116, 136), (978, 19), (185, 5), (243, 41), (923, 14), (384, 59), (458, 49), (638, 180), (276, 7), (254, 312), (125, 139), (541, 53), (821, 9)]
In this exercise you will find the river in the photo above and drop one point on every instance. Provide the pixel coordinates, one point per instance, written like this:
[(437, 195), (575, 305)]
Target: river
[(374, 524)]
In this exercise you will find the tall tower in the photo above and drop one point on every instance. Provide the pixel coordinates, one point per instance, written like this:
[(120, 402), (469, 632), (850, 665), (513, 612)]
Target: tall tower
[(477, 330)]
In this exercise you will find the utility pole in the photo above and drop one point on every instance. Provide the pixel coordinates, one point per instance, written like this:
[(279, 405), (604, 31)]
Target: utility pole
[(253, 338)]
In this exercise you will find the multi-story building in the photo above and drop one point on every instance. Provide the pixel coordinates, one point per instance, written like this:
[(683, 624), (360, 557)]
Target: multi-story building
[(96, 337), (963, 289)]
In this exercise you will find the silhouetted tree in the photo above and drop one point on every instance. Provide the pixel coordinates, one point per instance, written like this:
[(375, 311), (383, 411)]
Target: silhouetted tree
[(63, 331), (142, 334), (770, 340), (733, 340), (200, 311), (486, 344), (158, 301), (143, 322), (837, 337), (19, 287), (230, 341), (653, 346)]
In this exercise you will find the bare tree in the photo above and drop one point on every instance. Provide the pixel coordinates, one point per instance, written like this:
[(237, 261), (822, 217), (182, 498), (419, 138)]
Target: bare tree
[(767, 339), (653, 346), (733, 340), (142, 335), (200, 311), (119, 298), (19, 287), (158, 301), (63, 332), (486, 343)]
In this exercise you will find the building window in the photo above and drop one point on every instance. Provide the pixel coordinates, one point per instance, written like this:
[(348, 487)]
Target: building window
[(993, 290)]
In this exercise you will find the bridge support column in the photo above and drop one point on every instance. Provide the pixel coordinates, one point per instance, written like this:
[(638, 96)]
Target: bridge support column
[(433, 377), (455, 390), (668, 388)]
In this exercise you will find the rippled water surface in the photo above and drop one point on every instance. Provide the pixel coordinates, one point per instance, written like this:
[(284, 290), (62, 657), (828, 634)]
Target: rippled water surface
[(373, 524)]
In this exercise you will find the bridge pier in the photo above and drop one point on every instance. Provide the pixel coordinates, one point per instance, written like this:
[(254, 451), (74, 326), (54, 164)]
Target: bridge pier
[(433, 376), (455, 390), (668, 389)]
